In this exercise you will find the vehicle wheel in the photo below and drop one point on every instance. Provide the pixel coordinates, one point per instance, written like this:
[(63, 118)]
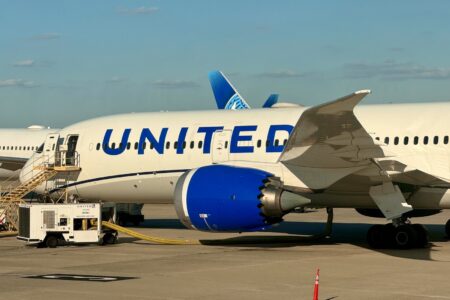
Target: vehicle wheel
[(109, 239), (422, 235), (376, 236), (136, 223), (405, 237), (447, 228), (51, 241)]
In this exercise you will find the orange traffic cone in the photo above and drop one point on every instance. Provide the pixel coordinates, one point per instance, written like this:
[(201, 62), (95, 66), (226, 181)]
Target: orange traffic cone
[(316, 287)]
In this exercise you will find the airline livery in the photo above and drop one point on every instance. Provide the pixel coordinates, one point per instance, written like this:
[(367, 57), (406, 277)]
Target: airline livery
[(243, 170)]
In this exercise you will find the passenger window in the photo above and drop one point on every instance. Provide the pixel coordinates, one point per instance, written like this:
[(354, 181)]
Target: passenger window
[(184, 145), (416, 140), (386, 140), (200, 144), (267, 143), (425, 140), (192, 144), (151, 146), (436, 140), (113, 146), (128, 146), (144, 145), (226, 144), (285, 141), (446, 139), (98, 146), (167, 145), (175, 145), (136, 145), (277, 142), (20, 147), (406, 140), (396, 139), (377, 138), (258, 144)]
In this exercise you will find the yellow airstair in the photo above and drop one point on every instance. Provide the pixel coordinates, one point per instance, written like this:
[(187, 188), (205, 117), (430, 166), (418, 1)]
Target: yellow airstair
[(9, 203), (41, 170)]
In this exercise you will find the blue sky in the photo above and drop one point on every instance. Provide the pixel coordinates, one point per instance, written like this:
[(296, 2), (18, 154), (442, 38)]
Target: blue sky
[(66, 61)]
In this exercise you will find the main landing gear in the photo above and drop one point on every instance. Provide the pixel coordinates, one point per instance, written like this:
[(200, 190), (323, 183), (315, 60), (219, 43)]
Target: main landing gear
[(447, 229), (400, 234)]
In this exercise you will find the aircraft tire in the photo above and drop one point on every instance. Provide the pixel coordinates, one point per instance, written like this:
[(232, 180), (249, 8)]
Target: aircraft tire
[(405, 237), (376, 236), (422, 235), (447, 229)]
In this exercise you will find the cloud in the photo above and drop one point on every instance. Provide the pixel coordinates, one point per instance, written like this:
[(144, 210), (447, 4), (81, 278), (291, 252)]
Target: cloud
[(24, 63), (397, 49), (175, 84), (281, 74), (138, 11), (116, 79), (390, 69), (17, 83), (46, 36)]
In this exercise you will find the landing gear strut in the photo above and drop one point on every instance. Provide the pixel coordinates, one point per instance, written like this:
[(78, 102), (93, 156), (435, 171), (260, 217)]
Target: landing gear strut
[(400, 234)]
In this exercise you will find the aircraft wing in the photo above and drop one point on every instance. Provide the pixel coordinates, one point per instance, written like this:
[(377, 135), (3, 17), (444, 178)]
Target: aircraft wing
[(328, 143), (12, 163)]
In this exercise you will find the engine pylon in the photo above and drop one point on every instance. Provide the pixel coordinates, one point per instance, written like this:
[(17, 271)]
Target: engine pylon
[(316, 286)]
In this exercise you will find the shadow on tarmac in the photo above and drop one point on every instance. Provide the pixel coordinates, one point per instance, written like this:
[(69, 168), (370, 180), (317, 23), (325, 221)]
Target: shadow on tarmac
[(343, 233)]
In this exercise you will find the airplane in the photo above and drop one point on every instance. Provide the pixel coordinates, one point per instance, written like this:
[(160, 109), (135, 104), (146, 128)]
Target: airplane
[(17, 146), (243, 170)]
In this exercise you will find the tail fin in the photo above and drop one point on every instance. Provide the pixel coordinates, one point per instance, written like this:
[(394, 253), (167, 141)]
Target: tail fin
[(227, 97), (273, 99)]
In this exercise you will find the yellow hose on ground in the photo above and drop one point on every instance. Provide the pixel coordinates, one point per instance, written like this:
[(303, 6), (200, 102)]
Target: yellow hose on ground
[(240, 240), (8, 233), (148, 238)]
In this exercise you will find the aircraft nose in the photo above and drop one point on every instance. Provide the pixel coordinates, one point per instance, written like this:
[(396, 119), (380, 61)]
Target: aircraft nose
[(27, 171)]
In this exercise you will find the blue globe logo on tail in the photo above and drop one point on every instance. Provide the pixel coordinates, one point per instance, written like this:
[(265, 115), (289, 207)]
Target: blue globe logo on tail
[(236, 102)]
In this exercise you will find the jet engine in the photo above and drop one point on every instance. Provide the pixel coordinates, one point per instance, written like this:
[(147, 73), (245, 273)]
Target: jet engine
[(236, 199)]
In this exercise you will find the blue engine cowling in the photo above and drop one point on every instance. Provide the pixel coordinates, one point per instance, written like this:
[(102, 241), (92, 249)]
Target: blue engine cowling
[(222, 198)]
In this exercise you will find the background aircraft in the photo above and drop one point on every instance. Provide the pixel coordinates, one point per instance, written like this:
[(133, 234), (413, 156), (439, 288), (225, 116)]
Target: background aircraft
[(17, 146)]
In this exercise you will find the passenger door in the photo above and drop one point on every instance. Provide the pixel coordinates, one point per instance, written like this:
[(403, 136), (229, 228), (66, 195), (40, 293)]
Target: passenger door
[(50, 147)]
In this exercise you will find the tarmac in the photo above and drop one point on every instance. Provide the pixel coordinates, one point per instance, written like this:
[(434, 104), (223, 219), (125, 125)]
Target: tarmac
[(134, 269)]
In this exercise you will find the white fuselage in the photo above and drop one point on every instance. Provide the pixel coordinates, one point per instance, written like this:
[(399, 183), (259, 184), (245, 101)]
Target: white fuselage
[(185, 140), (18, 145)]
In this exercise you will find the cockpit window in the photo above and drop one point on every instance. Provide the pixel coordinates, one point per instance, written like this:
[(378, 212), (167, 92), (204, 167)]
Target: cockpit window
[(40, 149)]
